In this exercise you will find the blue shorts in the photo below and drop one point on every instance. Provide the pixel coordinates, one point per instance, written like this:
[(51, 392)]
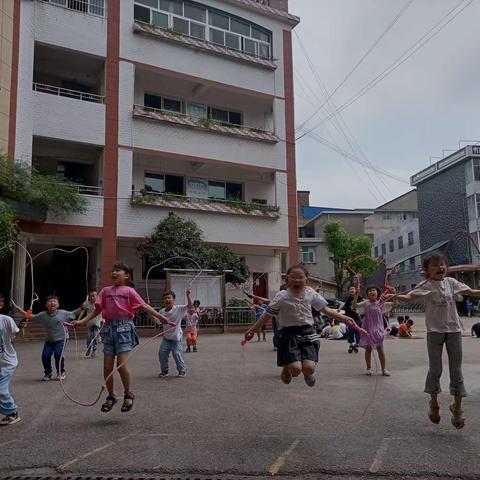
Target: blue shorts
[(119, 336)]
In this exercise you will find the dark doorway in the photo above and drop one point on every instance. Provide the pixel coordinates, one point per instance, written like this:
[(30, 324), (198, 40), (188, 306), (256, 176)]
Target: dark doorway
[(260, 284)]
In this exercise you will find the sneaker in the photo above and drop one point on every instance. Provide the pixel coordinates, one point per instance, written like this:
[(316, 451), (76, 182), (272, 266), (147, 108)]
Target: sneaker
[(61, 376), (386, 373), (182, 374), (369, 372), (195, 349), (310, 380), (10, 419), (355, 348), (163, 374), (46, 378)]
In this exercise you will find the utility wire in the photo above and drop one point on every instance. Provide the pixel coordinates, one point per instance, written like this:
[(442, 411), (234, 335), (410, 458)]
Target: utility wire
[(364, 56), (399, 61)]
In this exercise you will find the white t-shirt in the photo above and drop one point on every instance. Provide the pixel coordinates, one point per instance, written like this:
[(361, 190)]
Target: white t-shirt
[(294, 310), (361, 306), (8, 330), (174, 315), (440, 308)]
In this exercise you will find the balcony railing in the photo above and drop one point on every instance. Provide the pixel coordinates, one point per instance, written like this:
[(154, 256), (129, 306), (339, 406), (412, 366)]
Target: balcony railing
[(88, 190), (206, 124), (65, 92), (235, 207), (91, 7)]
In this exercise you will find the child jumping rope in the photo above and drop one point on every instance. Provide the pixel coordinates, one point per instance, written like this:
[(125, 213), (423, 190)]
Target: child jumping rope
[(439, 293), (118, 304), (93, 326), (298, 343), (374, 325)]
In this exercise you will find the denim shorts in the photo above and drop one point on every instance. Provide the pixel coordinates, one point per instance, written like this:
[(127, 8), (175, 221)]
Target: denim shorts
[(119, 336)]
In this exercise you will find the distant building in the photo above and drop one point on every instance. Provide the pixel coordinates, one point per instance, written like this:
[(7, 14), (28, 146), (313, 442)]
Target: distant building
[(394, 228), (449, 202), (313, 250)]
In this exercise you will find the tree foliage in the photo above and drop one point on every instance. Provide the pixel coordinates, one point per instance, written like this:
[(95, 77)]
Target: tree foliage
[(8, 229), (177, 237), (56, 195), (345, 251)]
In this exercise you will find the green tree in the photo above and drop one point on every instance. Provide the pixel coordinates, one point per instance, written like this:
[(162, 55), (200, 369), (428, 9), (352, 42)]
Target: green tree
[(177, 237), (8, 229), (347, 251)]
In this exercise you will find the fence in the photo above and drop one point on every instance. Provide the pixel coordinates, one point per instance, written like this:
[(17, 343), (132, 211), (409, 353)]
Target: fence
[(404, 307), (66, 92)]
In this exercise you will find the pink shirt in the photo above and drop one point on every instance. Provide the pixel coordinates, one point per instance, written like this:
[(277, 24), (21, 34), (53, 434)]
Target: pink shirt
[(119, 302)]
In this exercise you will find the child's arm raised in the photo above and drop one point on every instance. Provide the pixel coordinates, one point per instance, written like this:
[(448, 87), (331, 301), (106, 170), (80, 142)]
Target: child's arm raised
[(190, 307)]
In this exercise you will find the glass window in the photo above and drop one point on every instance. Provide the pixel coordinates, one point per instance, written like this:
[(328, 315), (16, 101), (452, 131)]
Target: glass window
[(159, 19), (410, 238), (142, 14), (476, 169), (283, 262), (472, 213), (172, 105), (412, 263), (149, 3), (216, 190), (79, 5), (198, 110), (239, 27), (250, 46), (152, 101), (307, 254), (97, 7), (391, 246), (174, 184), (235, 118), (386, 216), (400, 242), (477, 197), (232, 41), (197, 31), (219, 115), (180, 25), (376, 252), (154, 182), (218, 20), (172, 6), (264, 51), (260, 35), (234, 191), (217, 36), (384, 249), (195, 12), (401, 267)]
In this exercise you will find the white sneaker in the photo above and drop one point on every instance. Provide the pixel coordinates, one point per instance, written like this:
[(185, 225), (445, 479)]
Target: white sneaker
[(63, 376), (47, 378)]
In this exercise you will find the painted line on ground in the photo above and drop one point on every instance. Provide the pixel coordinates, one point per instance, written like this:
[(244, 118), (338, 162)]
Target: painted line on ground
[(283, 457), (9, 442), (382, 451)]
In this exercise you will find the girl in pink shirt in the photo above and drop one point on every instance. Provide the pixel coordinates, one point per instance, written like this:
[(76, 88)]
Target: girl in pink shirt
[(118, 304)]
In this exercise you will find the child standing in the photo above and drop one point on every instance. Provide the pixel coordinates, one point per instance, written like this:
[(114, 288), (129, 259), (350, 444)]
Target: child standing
[(191, 327), (353, 335), (439, 293), (172, 338), (93, 326), (55, 335), (298, 343), (373, 322), (118, 304), (8, 364)]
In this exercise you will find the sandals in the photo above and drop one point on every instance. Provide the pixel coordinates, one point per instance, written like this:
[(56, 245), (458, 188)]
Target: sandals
[(127, 402), (386, 373), (458, 418), (109, 403), (434, 413), (369, 372)]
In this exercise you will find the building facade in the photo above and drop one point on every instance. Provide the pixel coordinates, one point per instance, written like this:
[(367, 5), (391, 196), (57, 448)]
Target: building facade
[(153, 106), (448, 203), (394, 228)]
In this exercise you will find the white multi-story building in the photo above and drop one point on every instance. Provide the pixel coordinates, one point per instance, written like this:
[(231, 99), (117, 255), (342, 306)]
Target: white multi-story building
[(191, 101)]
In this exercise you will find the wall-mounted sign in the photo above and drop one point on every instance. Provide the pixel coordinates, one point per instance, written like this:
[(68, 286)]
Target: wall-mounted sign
[(197, 187)]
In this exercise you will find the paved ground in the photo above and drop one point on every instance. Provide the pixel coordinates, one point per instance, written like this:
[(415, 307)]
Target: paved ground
[(233, 417)]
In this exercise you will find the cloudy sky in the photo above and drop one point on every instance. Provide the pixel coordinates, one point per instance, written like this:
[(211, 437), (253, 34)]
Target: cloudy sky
[(422, 108)]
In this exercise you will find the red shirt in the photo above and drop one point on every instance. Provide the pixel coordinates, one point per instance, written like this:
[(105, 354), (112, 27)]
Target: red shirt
[(404, 330)]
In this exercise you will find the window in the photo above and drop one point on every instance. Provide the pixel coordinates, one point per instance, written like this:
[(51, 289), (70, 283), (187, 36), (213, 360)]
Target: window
[(376, 252), (159, 183), (172, 105), (410, 238), (401, 267), (234, 191), (283, 262), (386, 216), (391, 246), (216, 190), (411, 263), (152, 101), (307, 232), (476, 169), (307, 254), (400, 242), (192, 19), (198, 110), (162, 103), (384, 249), (224, 190), (225, 116), (477, 197)]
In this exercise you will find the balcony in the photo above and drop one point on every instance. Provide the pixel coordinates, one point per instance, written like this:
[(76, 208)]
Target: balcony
[(91, 7), (204, 124), (65, 92), (230, 207)]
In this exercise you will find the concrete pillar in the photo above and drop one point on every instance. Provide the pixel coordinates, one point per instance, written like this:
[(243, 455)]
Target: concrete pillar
[(18, 273)]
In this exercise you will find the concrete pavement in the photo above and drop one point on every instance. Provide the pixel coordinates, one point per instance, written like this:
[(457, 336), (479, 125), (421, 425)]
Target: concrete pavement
[(232, 417)]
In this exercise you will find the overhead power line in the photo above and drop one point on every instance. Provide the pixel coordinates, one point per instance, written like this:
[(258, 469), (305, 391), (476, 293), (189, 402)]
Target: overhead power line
[(432, 32)]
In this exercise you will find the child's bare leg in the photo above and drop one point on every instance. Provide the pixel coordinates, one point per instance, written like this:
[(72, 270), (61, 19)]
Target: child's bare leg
[(291, 370), (383, 361), (434, 412), (368, 358), (123, 371), (108, 364), (308, 369)]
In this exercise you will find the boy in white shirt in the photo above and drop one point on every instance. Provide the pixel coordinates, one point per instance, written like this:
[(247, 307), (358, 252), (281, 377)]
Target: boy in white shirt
[(172, 338), (8, 365)]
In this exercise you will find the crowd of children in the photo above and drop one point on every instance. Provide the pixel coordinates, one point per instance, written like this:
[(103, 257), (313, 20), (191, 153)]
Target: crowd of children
[(296, 339)]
